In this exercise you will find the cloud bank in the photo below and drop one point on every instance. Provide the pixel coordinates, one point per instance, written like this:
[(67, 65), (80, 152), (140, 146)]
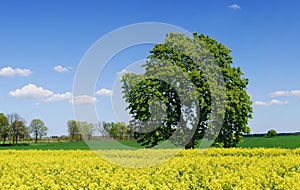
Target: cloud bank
[(270, 103), (11, 72), (34, 92), (31, 91), (294, 93)]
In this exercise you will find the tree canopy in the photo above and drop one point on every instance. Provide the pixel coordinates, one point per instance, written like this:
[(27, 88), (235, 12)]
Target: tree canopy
[(117, 130), (17, 126), (86, 129), (188, 82), (4, 127), (73, 130), (271, 133), (38, 128)]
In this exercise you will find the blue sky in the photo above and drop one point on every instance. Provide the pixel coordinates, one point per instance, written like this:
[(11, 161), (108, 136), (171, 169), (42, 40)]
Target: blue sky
[(43, 42)]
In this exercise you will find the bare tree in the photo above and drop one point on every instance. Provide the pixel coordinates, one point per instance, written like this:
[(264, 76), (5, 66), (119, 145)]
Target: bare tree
[(99, 127)]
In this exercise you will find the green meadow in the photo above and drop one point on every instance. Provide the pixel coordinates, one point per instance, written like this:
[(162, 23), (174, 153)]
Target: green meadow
[(289, 142)]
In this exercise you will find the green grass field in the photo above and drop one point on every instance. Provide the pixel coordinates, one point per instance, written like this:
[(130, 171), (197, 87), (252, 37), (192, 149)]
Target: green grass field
[(274, 142), (47, 146), (64, 145), (290, 142)]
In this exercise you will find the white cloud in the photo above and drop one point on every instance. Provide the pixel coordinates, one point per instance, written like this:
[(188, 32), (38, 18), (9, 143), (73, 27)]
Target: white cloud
[(31, 91), (83, 99), (295, 93), (278, 102), (279, 93), (10, 72), (59, 97), (261, 103), (61, 69), (272, 102), (234, 6), (104, 92)]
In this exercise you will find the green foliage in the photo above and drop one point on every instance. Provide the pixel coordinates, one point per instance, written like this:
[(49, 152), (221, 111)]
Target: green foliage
[(117, 130), (17, 127), (73, 130), (271, 133), (86, 129), (38, 128), (141, 92), (4, 127), (79, 130)]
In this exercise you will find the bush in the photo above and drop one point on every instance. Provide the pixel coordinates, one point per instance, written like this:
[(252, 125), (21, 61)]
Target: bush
[(271, 133)]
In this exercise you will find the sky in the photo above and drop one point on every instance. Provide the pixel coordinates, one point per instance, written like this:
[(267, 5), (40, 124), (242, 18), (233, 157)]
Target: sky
[(42, 44)]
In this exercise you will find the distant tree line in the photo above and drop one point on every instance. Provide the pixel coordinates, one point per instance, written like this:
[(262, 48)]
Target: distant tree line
[(13, 127), (270, 132), (104, 130)]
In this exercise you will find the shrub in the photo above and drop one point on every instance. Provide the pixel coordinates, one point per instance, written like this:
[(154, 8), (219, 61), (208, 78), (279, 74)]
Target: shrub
[(271, 133)]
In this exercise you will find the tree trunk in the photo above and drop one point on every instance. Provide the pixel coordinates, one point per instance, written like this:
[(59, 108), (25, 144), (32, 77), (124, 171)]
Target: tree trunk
[(36, 137), (190, 145)]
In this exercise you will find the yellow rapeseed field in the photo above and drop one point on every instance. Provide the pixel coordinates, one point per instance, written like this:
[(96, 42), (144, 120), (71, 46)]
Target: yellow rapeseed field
[(190, 169)]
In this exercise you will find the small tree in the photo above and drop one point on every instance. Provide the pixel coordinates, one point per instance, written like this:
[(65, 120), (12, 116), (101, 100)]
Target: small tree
[(117, 130), (4, 127), (17, 126), (43, 132), (86, 129), (112, 129), (73, 130), (271, 133), (38, 128), (99, 127)]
